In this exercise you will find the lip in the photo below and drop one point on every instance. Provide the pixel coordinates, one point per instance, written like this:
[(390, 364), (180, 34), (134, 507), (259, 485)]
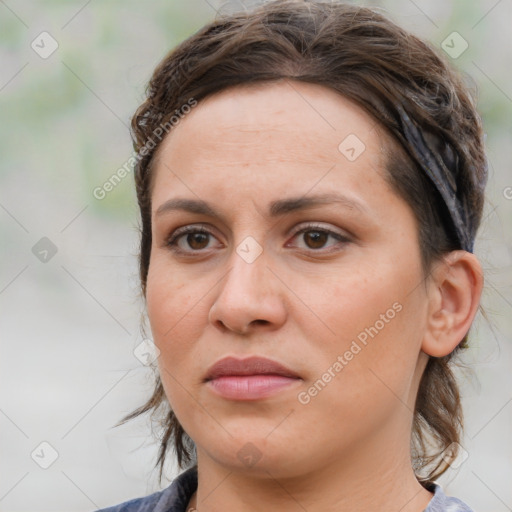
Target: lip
[(231, 366), (252, 378)]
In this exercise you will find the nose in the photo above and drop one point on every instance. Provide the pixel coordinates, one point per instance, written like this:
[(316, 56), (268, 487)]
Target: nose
[(250, 298)]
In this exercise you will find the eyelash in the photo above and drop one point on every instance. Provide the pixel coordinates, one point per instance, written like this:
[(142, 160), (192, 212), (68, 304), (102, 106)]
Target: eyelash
[(172, 241)]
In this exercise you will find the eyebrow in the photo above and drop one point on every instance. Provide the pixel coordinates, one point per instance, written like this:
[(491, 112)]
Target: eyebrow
[(276, 209)]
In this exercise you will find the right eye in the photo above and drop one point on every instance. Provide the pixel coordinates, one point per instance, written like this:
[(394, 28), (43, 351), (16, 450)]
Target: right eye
[(195, 237)]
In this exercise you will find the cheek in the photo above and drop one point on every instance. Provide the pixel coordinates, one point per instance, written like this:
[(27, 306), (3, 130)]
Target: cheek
[(174, 313), (348, 303), (373, 321), (372, 378), (175, 317)]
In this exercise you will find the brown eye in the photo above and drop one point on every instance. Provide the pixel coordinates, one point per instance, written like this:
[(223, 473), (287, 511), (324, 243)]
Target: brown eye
[(316, 239), (197, 240), (190, 239)]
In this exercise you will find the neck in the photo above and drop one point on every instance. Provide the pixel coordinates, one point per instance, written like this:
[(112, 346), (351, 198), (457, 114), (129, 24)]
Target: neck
[(380, 479)]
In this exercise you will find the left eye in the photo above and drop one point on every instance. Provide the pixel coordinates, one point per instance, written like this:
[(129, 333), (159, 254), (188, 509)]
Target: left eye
[(316, 236)]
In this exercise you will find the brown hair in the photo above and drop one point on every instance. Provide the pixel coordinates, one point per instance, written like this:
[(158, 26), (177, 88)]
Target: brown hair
[(370, 60)]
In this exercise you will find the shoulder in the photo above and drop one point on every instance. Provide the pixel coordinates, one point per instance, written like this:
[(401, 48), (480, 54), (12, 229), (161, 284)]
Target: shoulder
[(171, 499), (442, 503), (145, 504)]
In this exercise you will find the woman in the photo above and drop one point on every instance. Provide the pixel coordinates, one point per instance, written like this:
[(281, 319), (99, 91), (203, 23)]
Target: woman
[(310, 179)]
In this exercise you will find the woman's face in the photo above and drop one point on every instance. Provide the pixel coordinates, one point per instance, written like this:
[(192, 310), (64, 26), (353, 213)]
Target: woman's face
[(332, 288)]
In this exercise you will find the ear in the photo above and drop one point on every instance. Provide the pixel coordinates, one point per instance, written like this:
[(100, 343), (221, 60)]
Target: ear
[(454, 290)]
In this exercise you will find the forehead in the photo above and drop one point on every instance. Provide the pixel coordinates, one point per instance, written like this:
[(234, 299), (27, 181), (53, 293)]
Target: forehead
[(270, 132)]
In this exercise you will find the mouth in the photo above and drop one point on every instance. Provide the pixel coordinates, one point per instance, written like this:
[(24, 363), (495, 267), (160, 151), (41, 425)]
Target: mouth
[(253, 378)]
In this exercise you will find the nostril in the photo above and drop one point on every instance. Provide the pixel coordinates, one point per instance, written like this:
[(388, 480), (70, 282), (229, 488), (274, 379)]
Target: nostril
[(260, 322)]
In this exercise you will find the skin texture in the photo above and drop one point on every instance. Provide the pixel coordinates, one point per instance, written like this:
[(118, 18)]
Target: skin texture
[(302, 302)]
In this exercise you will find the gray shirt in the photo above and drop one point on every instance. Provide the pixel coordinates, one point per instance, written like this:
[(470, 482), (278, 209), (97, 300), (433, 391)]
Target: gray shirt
[(175, 498)]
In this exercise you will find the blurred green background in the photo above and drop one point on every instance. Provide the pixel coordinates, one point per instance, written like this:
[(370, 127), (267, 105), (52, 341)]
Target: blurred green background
[(68, 278)]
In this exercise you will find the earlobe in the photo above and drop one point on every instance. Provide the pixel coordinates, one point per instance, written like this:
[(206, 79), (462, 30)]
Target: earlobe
[(454, 291)]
